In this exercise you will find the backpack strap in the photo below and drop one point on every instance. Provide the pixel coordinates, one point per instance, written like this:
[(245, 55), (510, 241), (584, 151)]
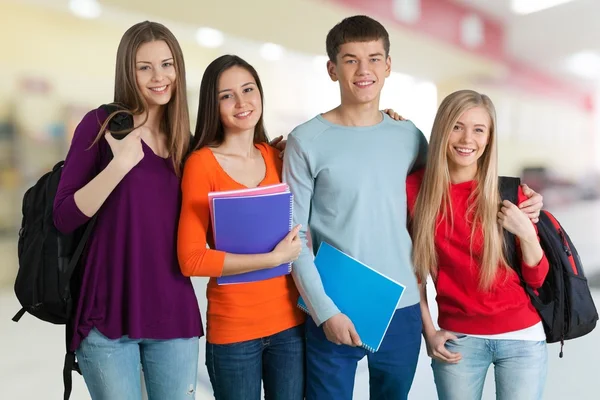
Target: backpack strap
[(70, 363), (509, 190)]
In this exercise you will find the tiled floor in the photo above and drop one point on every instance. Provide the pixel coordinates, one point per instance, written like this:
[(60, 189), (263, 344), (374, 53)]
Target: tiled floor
[(31, 352)]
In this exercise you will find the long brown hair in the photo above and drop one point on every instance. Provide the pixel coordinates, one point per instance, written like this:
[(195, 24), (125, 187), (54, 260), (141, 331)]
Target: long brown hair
[(209, 128), (176, 120), (434, 196)]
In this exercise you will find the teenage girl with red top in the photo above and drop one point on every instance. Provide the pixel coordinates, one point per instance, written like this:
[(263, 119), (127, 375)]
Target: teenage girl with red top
[(457, 218)]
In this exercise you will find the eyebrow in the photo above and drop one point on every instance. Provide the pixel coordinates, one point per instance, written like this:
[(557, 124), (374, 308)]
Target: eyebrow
[(148, 62), (354, 56), (460, 123), (244, 85)]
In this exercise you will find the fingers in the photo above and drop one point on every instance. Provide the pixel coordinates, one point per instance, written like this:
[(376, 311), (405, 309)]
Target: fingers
[(293, 233), (109, 137), (527, 191), (445, 355), (275, 141), (354, 337), (536, 200)]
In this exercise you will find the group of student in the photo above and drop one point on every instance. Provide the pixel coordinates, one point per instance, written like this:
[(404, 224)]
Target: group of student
[(363, 181)]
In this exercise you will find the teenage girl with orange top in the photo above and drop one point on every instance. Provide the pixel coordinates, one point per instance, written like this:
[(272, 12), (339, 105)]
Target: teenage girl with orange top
[(254, 330)]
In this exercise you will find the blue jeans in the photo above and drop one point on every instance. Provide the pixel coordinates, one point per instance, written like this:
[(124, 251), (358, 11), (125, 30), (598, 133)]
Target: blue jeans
[(236, 369), (331, 368), (111, 368), (519, 367)]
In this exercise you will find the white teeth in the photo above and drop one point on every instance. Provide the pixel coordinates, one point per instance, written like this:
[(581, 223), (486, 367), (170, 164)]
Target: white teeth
[(244, 114), (159, 89), (364, 83), (464, 151)]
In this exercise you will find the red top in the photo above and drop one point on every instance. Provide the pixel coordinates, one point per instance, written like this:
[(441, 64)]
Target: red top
[(463, 307)]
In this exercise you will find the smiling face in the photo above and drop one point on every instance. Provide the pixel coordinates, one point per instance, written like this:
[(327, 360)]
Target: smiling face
[(155, 72), (360, 69), (468, 140), (240, 105)]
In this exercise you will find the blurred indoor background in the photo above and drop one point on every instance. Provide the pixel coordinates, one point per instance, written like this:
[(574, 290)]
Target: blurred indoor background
[(539, 61)]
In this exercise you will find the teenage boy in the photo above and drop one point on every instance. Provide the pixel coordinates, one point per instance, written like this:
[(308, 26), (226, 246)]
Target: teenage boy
[(347, 169)]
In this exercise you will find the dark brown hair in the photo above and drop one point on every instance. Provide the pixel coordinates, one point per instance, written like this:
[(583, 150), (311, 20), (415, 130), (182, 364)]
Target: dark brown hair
[(209, 128), (176, 120), (358, 28)]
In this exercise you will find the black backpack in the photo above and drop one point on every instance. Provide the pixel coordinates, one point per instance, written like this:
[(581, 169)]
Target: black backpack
[(564, 301), (48, 278)]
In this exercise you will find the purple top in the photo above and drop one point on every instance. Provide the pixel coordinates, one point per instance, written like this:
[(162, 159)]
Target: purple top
[(132, 284)]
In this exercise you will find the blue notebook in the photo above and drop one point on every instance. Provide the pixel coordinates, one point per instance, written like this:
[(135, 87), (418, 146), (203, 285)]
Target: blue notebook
[(252, 225), (366, 296)]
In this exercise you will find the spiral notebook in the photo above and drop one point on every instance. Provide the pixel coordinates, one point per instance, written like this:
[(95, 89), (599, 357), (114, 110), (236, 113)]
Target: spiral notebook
[(366, 296), (252, 224)]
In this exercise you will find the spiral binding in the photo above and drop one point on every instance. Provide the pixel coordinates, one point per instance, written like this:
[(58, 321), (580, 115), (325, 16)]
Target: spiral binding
[(367, 347), (305, 309), (291, 223)]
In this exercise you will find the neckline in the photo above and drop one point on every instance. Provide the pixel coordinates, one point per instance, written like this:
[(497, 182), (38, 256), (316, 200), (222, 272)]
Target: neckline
[(466, 185), (152, 151), (357, 128), (222, 170)]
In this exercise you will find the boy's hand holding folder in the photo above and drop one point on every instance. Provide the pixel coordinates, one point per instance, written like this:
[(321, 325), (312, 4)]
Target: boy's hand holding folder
[(367, 300), (340, 330)]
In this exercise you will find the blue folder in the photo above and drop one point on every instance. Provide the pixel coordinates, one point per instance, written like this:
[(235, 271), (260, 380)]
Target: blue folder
[(366, 296), (252, 225)]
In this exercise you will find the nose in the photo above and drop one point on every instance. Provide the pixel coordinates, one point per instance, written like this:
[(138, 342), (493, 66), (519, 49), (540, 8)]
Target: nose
[(467, 135), (157, 75), (363, 68), (239, 101)]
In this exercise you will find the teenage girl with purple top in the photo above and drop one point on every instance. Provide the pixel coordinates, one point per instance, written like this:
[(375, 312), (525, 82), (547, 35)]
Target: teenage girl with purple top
[(135, 308)]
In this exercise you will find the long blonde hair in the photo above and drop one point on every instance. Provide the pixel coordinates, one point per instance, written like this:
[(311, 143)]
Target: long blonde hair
[(176, 120), (434, 202)]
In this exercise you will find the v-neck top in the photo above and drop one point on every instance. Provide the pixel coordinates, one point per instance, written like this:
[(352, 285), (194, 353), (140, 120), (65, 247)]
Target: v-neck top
[(239, 312), (131, 281), (264, 153)]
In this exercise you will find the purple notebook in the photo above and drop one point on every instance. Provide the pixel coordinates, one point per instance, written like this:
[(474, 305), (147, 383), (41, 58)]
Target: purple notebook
[(252, 225)]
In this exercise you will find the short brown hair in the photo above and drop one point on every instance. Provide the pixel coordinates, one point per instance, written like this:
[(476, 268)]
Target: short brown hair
[(358, 28)]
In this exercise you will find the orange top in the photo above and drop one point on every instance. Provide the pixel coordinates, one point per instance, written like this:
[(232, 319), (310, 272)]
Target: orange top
[(238, 312)]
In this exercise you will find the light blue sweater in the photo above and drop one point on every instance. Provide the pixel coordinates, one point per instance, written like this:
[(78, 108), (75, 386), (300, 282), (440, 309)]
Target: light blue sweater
[(349, 188)]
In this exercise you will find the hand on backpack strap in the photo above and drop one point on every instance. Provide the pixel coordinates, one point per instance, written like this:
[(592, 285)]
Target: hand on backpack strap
[(533, 205), (127, 152), (514, 220)]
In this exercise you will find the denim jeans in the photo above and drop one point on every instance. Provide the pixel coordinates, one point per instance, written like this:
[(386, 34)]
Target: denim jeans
[(519, 367), (236, 369), (111, 368), (331, 368)]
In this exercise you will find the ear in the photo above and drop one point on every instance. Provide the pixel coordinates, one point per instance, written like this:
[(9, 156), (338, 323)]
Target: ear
[(332, 70), (388, 66)]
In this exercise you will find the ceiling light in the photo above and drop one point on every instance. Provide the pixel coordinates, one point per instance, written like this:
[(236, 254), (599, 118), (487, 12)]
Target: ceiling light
[(585, 64), (208, 37), (523, 7), (271, 51), (88, 9)]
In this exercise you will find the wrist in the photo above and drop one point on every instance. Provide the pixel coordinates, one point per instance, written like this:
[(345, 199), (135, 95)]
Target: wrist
[(274, 259), (529, 239), (429, 332), (116, 168)]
